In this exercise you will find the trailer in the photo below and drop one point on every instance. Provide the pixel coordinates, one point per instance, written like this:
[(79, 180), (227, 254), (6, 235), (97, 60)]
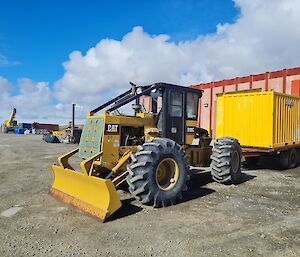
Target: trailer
[(265, 123)]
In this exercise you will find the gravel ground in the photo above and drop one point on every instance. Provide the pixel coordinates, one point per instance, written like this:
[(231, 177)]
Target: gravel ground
[(259, 217)]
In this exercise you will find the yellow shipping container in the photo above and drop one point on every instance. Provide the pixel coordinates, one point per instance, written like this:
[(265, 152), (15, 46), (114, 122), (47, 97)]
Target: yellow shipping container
[(259, 119)]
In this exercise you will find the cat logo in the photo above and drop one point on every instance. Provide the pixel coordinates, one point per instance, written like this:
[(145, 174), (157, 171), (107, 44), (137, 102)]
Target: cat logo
[(111, 129)]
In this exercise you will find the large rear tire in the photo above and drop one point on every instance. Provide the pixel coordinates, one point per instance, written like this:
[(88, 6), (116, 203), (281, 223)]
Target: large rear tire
[(158, 173), (226, 161)]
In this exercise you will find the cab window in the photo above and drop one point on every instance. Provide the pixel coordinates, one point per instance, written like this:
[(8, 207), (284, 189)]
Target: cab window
[(176, 104), (192, 106)]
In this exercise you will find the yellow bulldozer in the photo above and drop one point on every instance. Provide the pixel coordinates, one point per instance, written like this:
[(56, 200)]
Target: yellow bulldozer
[(150, 152)]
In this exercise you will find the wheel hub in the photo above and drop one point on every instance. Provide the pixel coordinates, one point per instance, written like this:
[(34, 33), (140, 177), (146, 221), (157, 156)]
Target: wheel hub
[(167, 173)]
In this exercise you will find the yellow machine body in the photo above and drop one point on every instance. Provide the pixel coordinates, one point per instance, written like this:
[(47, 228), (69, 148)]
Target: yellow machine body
[(58, 132), (84, 188), (109, 142), (96, 196), (259, 119), (87, 188)]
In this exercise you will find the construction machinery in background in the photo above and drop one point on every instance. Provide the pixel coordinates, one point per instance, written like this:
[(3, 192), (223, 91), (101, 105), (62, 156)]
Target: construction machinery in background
[(69, 135), (150, 152), (11, 123)]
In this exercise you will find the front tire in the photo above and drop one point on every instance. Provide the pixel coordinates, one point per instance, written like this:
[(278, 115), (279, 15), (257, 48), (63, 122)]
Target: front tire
[(158, 173), (226, 161)]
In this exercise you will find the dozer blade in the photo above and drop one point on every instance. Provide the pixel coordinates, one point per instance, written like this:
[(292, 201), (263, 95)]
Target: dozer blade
[(95, 196)]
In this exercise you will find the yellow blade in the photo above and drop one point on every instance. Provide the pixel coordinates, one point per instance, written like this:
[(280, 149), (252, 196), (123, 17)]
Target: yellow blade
[(98, 197)]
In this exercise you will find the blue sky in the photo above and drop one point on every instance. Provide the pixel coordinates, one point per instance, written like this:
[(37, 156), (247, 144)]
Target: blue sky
[(37, 36), (54, 53)]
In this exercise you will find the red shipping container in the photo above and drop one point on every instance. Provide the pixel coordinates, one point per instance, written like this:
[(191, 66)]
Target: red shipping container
[(295, 88), (53, 127)]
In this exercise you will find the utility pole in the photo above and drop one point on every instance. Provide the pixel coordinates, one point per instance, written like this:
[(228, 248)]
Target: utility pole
[(73, 119)]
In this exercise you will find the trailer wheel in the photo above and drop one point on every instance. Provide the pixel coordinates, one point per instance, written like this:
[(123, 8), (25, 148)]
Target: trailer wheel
[(158, 173), (251, 161), (226, 161), (288, 159)]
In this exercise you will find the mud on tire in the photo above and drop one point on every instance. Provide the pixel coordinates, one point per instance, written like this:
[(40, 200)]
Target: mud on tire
[(145, 181), (226, 161)]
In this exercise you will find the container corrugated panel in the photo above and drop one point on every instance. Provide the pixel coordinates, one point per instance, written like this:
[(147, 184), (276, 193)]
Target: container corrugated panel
[(259, 119)]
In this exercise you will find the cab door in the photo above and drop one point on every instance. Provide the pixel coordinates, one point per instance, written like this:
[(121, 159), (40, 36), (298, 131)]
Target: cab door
[(175, 117)]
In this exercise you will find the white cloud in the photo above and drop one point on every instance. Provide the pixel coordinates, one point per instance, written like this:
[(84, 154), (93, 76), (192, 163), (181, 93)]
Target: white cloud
[(264, 37), (5, 86), (107, 68), (4, 62), (32, 101)]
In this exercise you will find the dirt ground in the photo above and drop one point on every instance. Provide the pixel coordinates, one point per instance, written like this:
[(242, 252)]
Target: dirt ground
[(259, 217)]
